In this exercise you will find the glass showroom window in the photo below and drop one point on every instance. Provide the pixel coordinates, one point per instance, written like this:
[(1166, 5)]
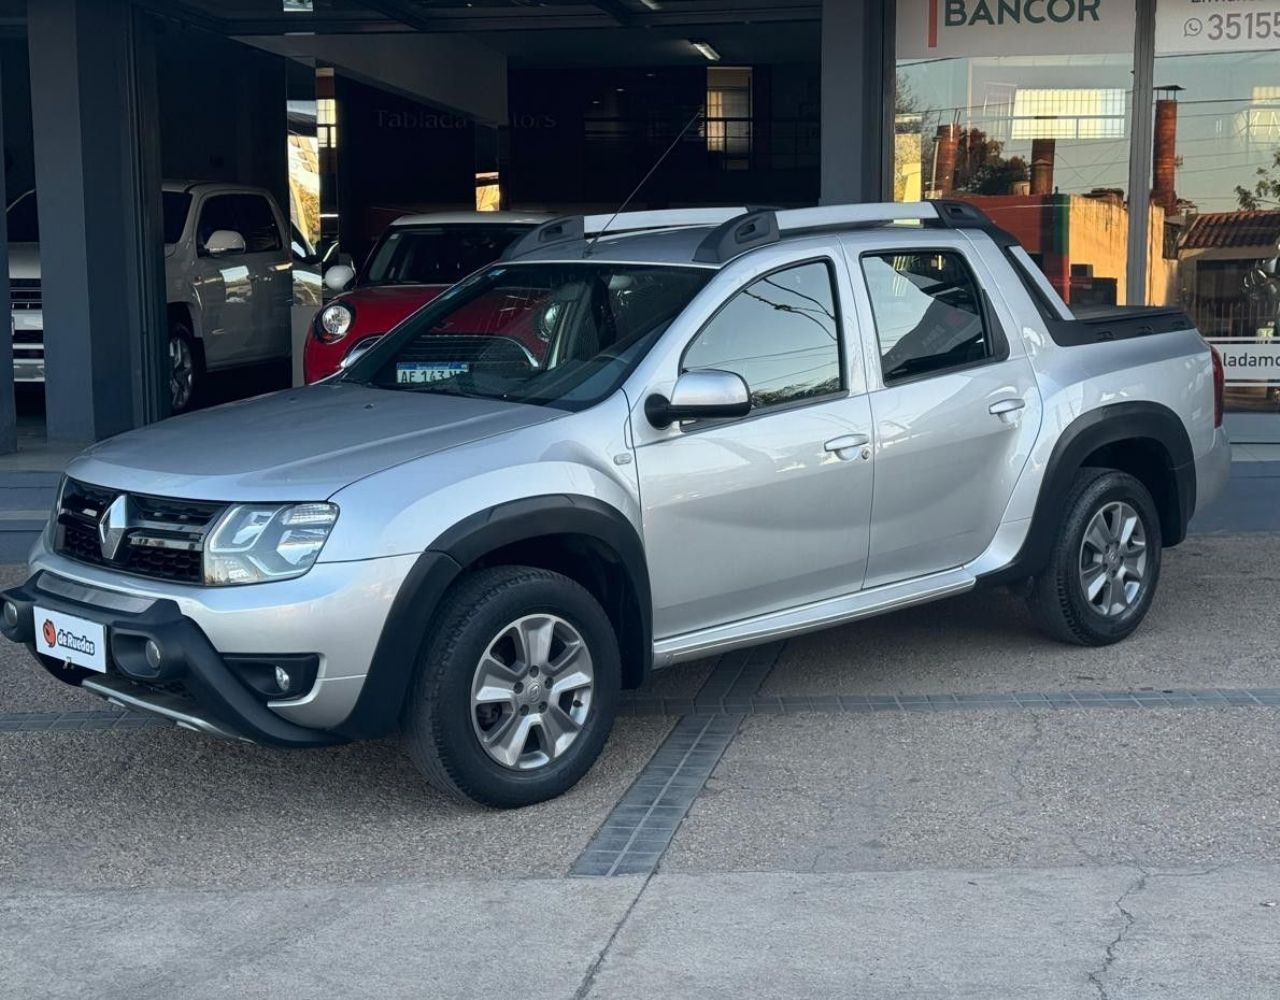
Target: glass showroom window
[(1216, 182), (1024, 108)]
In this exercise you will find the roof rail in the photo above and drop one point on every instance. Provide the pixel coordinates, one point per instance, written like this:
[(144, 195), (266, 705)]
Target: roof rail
[(759, 228), (569, 228), (737, 230), (874, 214)]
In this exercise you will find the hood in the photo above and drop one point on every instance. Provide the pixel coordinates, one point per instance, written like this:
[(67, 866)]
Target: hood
[(300, 444), (380, 307), (24, 261)]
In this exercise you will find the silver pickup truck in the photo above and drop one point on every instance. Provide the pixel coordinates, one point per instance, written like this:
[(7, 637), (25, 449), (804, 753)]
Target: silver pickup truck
[(630, 443)]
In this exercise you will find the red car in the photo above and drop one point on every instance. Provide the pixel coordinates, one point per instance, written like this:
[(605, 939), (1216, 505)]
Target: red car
[(417, 258)]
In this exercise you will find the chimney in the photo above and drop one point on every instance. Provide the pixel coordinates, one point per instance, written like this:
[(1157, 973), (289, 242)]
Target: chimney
[(1165, 160), (944, 159), (1042, 153)]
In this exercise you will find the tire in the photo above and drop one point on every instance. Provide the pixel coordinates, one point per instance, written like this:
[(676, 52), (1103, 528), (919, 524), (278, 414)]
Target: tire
[(1097, 592), (186, 368), (451, 714)]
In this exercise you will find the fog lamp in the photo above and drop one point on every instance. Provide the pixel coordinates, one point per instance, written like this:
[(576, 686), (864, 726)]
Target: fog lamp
[(10, 614), (283, 680), (152, 653)]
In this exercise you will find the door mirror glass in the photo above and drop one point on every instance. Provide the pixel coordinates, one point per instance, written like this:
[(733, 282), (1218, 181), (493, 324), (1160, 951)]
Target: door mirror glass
[(224, 241), (339, 277), (701, 395)]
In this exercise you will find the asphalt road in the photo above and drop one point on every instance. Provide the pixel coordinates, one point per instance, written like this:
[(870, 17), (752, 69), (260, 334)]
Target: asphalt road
[(1022, 852)]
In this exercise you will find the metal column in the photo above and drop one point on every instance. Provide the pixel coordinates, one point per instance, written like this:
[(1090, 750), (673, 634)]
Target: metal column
[(1140, 153), (858, 74), (99, 206)]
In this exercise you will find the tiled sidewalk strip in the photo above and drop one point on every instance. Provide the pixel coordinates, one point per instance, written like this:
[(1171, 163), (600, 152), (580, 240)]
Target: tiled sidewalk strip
[(704, 704), (737, 677), (640, 827), (26, 722)]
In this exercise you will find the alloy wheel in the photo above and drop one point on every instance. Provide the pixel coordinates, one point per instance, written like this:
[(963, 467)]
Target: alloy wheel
[(181, 374), (1113, 559), (531, 692)]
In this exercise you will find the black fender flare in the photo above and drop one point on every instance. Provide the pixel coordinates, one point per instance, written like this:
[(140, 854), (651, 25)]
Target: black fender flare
[(408, 625), (1106, 425)]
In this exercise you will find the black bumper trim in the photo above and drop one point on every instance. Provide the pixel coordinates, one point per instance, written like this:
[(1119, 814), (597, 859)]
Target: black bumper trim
[(216, 693)]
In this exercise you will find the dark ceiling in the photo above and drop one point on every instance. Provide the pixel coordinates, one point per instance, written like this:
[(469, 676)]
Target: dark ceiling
[(276, 17)]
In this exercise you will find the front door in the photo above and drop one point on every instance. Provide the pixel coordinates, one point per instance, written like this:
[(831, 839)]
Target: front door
[(271, 266), (955, 416), (224, 285), (747, 516)]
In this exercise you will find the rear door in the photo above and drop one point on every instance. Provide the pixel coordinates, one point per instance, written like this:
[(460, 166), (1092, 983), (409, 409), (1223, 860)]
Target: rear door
[(956, 409)]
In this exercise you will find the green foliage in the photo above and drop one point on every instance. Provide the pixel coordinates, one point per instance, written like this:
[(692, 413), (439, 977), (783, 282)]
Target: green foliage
[(1266, 190)]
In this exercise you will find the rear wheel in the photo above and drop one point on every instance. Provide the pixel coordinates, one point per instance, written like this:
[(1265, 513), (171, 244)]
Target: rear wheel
[(1105, 564), (518, 689)]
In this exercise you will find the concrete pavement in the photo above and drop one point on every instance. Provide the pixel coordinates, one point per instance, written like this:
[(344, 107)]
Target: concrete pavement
[(1114, 852), (1033, 934)]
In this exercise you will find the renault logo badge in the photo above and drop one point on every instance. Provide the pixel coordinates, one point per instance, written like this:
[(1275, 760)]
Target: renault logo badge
[(112, 526)]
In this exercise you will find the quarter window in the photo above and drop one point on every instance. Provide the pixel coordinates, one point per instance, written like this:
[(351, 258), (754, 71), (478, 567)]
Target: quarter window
[(928, 313), (780, 333)]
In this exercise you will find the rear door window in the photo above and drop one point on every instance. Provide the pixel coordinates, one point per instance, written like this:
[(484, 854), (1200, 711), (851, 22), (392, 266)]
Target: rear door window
[(928, 313)]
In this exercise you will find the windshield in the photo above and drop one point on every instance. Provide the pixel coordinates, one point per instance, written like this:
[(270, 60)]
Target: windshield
[(174, 206), (24, 222), (437, 255), (561, 335)]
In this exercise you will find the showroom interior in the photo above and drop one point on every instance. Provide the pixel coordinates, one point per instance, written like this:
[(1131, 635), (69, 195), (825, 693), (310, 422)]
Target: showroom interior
[(1112, 128), (350, 115)]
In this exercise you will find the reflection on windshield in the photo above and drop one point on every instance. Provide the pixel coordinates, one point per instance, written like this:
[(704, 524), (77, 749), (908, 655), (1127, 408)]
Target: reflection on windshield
[(438, 255), (551, 334)]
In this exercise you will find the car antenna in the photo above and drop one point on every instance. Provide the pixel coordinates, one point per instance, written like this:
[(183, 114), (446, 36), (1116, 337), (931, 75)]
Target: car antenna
[(643, 180)]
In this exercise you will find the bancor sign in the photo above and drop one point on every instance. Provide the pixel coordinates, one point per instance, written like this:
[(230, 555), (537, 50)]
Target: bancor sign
[(931, 29)]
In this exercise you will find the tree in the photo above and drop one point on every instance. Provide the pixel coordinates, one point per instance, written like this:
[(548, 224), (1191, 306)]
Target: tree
[(982, 169), (1266, 190)]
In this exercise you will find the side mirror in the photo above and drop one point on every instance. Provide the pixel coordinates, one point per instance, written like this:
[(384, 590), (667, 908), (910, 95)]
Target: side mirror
[(339, 277), (223, 241), (700, 395)]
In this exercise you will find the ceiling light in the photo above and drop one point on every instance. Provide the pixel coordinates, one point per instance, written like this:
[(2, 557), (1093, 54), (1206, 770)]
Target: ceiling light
[(705, 48), (652, 4)]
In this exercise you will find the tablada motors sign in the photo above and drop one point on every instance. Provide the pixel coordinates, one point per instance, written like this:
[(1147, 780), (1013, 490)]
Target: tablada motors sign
[(932, 29)]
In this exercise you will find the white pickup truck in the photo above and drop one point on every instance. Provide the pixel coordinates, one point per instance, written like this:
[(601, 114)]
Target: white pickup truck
[(229, 255)]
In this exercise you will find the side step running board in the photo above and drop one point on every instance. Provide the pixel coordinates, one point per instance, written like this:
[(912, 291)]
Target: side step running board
[(810, 617)]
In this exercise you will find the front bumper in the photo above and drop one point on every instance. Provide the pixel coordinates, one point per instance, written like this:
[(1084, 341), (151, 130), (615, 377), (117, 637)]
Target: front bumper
[(193, 686), (337, 611)]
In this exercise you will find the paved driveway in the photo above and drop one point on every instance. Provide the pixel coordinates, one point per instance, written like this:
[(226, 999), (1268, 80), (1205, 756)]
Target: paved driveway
[(936, 804)]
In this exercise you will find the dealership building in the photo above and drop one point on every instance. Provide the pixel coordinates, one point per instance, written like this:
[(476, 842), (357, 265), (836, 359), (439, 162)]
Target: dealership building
[(1133, 146)]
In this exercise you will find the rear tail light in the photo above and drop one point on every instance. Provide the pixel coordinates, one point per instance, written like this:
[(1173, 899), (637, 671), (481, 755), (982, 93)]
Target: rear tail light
[(1219, 385)]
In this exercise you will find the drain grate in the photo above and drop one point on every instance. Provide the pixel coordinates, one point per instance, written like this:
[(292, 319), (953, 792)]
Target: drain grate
[(640, 827), (1021, 701)]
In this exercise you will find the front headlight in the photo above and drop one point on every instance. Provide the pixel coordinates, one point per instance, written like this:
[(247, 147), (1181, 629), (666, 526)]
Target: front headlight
[(335, 322), (255, 543)]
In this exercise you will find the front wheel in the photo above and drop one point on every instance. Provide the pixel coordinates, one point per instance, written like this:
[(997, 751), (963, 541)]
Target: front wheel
[(1105, 564), (517, 692), (184, 369)]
